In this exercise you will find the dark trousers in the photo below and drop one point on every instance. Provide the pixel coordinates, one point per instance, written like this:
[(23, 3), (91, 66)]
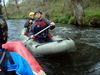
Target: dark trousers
[(43, 40)]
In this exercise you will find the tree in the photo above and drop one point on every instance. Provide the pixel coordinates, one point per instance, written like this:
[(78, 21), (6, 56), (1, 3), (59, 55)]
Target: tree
[(64, 5), (1, 8), (78, 11), (5, 9), (45, 2), (16, 2)]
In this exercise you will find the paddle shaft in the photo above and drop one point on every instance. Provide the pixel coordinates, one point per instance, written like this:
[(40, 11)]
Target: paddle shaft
[(42, 30), (39, 32)]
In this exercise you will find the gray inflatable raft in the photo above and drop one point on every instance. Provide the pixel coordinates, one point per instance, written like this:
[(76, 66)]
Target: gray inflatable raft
[(57, 46)]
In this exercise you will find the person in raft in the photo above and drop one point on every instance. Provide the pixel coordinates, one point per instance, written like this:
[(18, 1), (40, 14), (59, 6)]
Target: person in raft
[(11, 63), (28, 23), (39, 24)]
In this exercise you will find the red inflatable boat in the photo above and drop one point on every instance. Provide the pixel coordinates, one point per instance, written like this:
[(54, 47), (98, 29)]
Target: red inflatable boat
[(18, 47)]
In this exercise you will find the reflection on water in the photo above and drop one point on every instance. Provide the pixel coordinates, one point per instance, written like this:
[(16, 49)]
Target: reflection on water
[(15, 27), (85, 61)]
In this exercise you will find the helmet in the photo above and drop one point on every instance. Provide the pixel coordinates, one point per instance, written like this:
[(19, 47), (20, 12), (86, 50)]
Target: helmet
[(3, 31), (31, 13)]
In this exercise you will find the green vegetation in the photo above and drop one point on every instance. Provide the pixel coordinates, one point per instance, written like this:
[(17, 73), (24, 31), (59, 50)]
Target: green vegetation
[(92, 14), (59, 11)]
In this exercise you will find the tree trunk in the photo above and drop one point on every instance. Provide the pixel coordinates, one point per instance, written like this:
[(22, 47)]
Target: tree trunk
[(1, 8), (45, 2), (5, 9), (64, 5), (46, 7), (78, 11), (16, 2)]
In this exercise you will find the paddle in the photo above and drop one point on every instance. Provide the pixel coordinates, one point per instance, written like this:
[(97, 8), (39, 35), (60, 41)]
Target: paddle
[(38, 33)]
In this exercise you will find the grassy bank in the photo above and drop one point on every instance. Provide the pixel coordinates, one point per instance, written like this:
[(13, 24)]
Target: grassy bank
[(92, 15)]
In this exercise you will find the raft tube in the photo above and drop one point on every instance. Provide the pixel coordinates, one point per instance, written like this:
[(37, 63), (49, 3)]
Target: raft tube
[(18, 47), (58, 45)]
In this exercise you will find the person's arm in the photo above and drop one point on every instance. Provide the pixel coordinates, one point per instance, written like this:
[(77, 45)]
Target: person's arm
[(48, 22), (32, 31), (26, 24), (52, 25)]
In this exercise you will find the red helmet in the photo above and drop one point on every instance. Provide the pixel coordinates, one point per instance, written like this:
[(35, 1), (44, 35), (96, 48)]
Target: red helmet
[(3, 31)]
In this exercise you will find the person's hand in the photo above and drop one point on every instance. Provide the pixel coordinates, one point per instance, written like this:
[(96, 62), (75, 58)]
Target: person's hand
[(26, 33), (52, 23), (32, 37), (30, 21)]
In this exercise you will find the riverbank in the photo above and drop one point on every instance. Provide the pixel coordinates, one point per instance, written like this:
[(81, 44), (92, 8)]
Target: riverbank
[(59, 12), (91, 17)]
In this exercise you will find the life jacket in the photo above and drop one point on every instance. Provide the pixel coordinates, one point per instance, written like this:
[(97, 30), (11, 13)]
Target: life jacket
[(39, 25), (4, 57)]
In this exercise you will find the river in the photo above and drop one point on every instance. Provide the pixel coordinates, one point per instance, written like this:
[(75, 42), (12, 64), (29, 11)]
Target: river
[(84, 61)]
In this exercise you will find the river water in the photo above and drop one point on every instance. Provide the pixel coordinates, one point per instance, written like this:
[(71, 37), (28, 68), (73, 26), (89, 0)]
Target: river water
[(84, 61)]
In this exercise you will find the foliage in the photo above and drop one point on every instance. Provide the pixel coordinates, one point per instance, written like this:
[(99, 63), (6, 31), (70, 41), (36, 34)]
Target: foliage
[(56, 10)]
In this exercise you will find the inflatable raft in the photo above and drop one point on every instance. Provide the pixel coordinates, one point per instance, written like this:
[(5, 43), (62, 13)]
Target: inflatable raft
[(57, 46), (18, 47)]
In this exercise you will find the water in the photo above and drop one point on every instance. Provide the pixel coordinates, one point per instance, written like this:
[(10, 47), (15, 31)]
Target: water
[(86, 59)]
